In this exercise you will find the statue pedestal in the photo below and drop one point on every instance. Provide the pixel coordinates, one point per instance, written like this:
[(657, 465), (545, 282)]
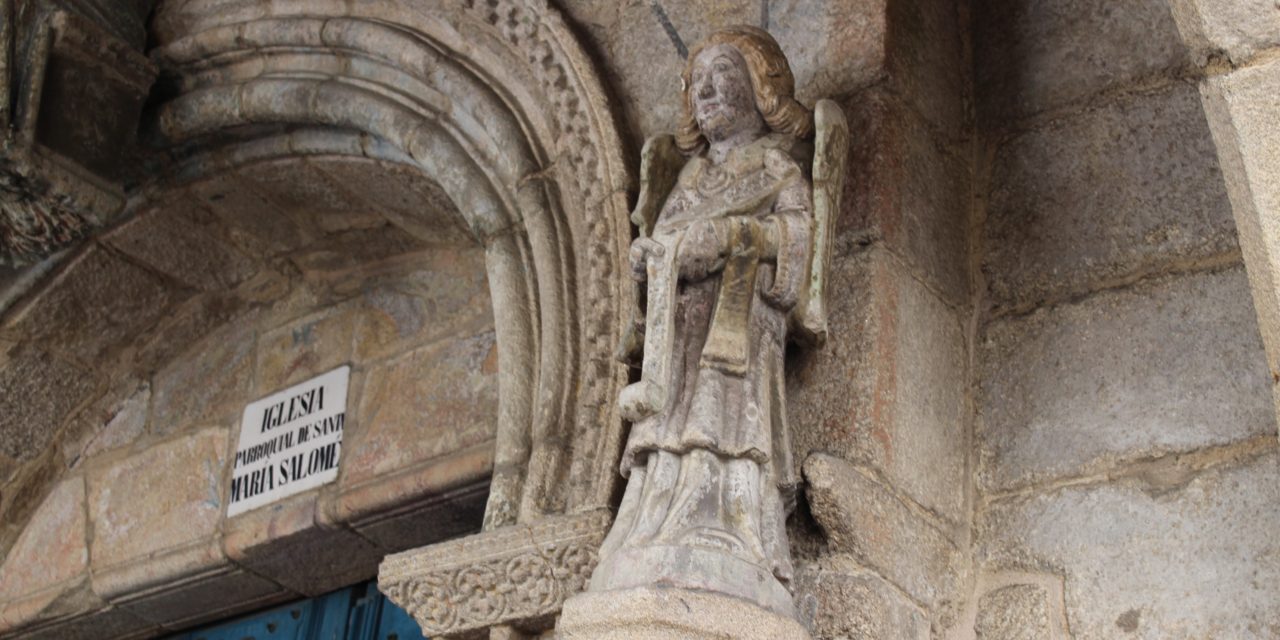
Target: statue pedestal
[(656, 613)]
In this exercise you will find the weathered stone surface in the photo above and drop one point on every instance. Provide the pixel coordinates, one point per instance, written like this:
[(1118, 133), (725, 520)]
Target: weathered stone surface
[(191, 591), (1173, 365), (304, 348), (841, 600), (156, 547), (834, 48), (447, 295), (207, 385), (1196, 561), (162, 499), (402, 194), (658, 613), (887, 390), (1035, 56), (94, 306), (171, 240), (52, 548), (255, 224), (355, 249), (1243, 112), (8, 467), (196, 318), (103, 621), (1015, 612), (1106, 195), (1239, 28), (863, 518), (38, 392), (908, 190), (114, 421), (16, 283), (301, 192), (927, 62), (427, 403), (285, 543), (440, 500), (24, 492)]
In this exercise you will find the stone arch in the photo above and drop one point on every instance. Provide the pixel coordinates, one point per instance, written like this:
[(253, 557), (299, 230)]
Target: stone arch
[(496, 102), (492, 102)]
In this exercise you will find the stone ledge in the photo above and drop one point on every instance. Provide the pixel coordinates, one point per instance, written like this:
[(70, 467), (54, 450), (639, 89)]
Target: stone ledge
[(433, 500), (670, 614), (519, 575)]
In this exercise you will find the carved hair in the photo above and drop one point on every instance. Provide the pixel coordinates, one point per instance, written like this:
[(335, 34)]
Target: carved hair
[(771, 82)]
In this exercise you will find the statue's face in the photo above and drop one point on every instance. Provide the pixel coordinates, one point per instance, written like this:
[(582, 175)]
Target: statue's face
[(720, 93)]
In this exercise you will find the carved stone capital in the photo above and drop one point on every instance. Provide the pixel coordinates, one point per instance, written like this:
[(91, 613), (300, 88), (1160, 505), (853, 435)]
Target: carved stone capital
[(518, 575)]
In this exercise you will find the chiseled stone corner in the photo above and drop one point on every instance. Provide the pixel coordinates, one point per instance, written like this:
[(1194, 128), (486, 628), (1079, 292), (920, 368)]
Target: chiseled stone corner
[(1243, 113), (865, 519), (885, 391), (156, 547)]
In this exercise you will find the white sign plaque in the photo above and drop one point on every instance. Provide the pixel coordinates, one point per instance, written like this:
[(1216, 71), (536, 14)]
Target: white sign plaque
[(290, 441)]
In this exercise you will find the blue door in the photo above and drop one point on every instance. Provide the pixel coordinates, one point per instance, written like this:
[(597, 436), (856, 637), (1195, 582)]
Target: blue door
[(355, 613)]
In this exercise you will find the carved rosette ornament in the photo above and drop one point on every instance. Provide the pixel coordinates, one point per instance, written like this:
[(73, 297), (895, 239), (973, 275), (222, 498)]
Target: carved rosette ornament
[(71, 92), (735, 219)]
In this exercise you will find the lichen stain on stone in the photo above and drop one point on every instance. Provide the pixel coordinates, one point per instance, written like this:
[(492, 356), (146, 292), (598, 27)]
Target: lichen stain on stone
[(490, 364), (1128, 621)]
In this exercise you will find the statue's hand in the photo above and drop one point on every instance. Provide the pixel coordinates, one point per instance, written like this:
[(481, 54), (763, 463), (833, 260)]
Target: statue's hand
[(641, 249), (702, 250)]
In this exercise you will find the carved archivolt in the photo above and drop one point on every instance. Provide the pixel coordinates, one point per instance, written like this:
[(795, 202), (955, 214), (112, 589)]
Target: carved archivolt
[(495, 101)]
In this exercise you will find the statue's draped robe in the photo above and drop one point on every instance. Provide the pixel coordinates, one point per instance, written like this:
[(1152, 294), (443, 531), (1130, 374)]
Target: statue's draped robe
[(713, 468)]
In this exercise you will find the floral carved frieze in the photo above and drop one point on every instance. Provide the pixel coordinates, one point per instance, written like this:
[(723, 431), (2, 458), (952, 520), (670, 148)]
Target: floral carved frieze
[(518, 575)]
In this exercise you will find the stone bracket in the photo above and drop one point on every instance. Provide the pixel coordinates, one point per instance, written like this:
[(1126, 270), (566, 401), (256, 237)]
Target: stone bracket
[(518, 575)]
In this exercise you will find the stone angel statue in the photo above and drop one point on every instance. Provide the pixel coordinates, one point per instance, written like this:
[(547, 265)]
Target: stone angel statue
[(735, 217)]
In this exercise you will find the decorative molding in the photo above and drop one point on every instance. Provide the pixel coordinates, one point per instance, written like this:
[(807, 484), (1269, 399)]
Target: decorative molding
[(526, 146), (518, 575), (577, 98)]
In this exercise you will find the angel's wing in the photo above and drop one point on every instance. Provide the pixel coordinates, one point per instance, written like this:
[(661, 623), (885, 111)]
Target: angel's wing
[(660, 164), (831, 146)]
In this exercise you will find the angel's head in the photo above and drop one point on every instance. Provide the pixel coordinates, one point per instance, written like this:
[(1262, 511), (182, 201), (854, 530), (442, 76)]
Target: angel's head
[(736, 80)]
